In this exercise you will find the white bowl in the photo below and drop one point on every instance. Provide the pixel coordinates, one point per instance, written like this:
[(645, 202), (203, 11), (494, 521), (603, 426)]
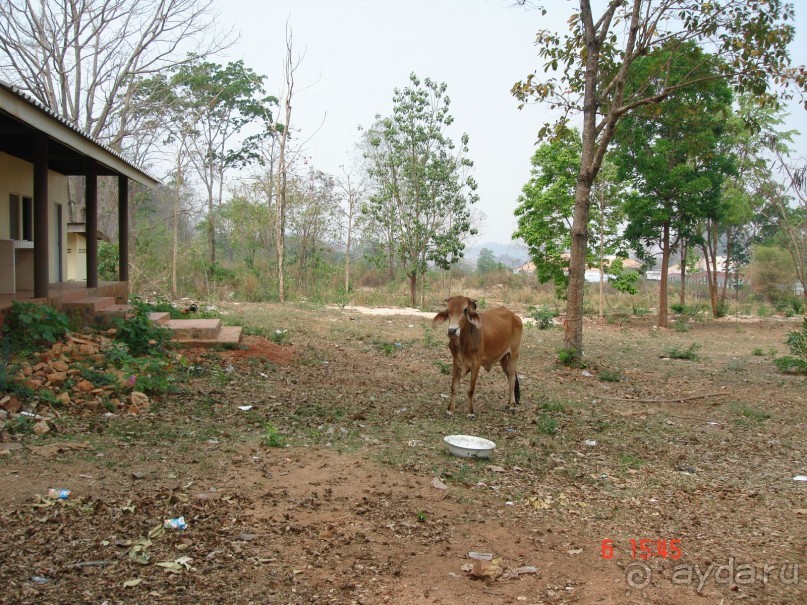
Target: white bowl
[(468, 446)]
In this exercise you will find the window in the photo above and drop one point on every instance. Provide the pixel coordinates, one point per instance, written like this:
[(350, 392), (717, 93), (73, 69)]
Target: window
[(14, 216), (27, 219), (20, 217)]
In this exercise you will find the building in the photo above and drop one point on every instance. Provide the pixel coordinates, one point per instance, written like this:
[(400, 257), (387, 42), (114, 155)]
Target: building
[(39, 150)]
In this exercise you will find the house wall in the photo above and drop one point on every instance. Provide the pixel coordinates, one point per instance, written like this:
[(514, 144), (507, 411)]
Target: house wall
[(76, 257), (17, 177)]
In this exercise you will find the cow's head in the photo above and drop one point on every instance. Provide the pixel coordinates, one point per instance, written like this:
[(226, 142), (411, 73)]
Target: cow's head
[(458, 308)]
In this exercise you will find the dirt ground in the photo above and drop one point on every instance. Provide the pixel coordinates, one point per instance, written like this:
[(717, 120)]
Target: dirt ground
[(335, 487)]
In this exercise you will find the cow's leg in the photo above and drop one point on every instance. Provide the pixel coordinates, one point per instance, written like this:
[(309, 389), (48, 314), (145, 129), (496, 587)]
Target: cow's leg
[(509, 371), (472, 388), (512, 366), (456, 375)]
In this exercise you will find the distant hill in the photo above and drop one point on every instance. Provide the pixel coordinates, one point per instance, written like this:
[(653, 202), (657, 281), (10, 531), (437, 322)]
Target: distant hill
[(511, 255)]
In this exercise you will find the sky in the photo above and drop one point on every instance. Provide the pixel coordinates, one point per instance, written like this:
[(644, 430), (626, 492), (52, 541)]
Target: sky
[(354, 53)]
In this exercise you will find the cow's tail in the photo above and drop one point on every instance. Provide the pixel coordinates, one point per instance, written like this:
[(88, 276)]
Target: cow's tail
[(517, 390)]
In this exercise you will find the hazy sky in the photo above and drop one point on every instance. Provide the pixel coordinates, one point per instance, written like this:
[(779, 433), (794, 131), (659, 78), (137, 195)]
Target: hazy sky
[(357, 51)]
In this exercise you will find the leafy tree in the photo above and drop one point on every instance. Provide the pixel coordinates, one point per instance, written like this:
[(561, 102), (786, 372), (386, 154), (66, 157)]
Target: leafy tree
[(596, 58), (423, 191), (772, 272), (671, 151), (216, 103), (487, 263), (546, 205)]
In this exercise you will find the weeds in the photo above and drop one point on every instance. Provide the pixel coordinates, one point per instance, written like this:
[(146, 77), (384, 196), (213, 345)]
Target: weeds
[(796, 362), (543, 317), (689, 353), (610, 375), (272, 436)]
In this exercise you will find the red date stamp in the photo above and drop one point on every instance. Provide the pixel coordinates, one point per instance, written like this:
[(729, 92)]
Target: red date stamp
[(645, 549)]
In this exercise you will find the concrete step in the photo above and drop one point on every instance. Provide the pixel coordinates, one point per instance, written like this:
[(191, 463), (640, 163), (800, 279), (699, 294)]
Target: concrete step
[(194, 329), (228, 336), (160, 317), (125, 311), (89, 304)]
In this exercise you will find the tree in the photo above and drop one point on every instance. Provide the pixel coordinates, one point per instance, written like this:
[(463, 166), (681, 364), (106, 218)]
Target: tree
[(545, 205), (487, 263), (216, 103), (789, 205), (422, 187), (353, 190), (596, 58), (672, 153), (85, 58), (545, 209)]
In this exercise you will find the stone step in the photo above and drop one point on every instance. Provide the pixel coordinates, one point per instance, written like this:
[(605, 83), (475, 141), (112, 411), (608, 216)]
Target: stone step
[(228, 336), (194, 329), (160, 317), (89, 304), (125, 311)]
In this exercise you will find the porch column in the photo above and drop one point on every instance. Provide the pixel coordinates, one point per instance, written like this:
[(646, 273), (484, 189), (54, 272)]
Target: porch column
[(41, 248), (123, 228), (91, 202)]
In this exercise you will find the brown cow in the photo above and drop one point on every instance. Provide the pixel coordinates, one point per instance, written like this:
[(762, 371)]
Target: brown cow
[(481, 339)]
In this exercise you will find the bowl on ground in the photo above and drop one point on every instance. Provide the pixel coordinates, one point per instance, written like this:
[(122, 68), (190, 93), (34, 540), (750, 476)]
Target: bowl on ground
[(469, 446)]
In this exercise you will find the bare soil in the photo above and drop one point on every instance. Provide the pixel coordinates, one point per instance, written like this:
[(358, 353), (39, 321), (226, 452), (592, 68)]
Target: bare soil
[(334, 487)]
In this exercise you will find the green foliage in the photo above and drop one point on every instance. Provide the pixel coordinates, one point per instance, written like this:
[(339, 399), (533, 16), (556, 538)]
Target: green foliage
[(272, 437), (752, 413), (690, 353), (610, 375), (423, 189), (29, 326), (631, 461), (796, 362), (758, 352), (545, 206), (546, 425), (487, 263), (107, 261), (543, 317), (142, 336), (772, 272), (621, 279), (445, 368), (280, 337), (570, 358)]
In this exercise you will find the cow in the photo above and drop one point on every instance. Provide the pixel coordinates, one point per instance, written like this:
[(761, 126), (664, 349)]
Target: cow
[(481, 339)]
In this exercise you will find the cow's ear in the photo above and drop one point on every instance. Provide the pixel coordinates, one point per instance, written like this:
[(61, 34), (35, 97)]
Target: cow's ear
[(440, 318), (473, 305), (474, 318)]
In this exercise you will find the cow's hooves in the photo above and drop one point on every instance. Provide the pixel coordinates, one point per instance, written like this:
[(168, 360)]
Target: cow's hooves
[(449, 414), (512, 409), (471, 416)]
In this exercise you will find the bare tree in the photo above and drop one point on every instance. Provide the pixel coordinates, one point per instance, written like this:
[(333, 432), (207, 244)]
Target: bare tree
[(281, 132), (84, 58), (354, 189)]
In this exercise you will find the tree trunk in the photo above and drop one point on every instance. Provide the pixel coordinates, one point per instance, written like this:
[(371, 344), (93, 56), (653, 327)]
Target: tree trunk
[(665, 260), (729, 246), (412, 287), (683, 296), (573, 324), (602, 258)]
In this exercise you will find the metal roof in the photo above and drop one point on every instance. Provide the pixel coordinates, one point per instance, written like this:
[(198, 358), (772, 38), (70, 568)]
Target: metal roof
[(21, 116)]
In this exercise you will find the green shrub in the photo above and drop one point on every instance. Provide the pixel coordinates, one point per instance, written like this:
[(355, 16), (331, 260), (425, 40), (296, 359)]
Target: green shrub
[(272, 436), (142, 336), (570, 357), (29, 326), (610, 375), (543, 317), (688, 353), (796, 362)]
